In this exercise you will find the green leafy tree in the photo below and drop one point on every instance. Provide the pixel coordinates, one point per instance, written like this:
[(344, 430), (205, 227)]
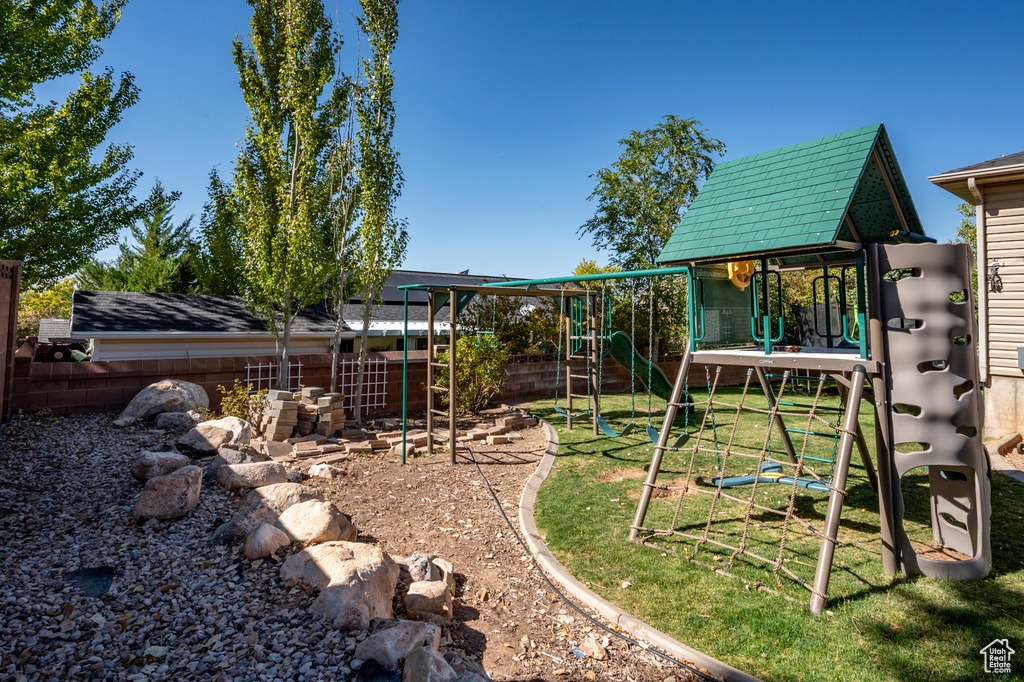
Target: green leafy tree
[(479, 373), (382, 237), (641, 197), (287, 76), (61, 198), (218, 255), (159, 261), (39, 304), (343, 210), (967, 233)]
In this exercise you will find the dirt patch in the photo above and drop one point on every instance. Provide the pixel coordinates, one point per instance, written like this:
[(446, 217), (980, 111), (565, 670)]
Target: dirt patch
[(621, 475), (672, 488), (505, 615), (930, 550)]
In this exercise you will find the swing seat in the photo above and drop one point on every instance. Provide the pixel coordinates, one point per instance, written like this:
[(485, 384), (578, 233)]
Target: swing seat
[(607, 430), (653, 434), (566, 414), (771, 472)]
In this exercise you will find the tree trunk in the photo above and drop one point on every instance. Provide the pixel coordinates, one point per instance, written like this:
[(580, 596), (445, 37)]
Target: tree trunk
[(338, 324), (286, 340), (367, 310)]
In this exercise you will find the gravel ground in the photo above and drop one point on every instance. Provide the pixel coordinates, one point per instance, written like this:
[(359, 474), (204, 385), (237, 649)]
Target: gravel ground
[(180, 608)]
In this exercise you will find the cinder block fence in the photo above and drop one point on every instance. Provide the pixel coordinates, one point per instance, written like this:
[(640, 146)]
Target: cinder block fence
[(103, 386)]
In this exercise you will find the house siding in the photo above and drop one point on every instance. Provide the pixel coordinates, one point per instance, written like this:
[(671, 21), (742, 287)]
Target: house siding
[(1004, 241)]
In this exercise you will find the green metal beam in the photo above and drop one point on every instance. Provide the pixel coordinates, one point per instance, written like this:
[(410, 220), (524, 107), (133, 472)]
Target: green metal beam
[(626, 274)]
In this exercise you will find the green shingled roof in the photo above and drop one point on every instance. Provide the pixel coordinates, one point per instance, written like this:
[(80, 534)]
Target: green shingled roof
[(795, 199)]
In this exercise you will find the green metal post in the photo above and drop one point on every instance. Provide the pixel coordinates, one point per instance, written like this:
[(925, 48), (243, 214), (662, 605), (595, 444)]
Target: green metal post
[(766, 313), (689, 310), (405, 372), (828, 308), (861, 316)]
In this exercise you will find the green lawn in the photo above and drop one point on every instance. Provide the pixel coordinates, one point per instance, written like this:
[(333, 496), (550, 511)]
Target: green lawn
[(878, 627)]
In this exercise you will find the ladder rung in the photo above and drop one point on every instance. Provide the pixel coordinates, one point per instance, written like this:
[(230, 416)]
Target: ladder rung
[(581, 338), (439, 364), (577, 395), (584, 377), (439, 388), (439, 412)]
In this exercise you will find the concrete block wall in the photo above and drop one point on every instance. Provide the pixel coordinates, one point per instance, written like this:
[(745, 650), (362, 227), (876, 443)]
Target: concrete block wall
[(103, 386)]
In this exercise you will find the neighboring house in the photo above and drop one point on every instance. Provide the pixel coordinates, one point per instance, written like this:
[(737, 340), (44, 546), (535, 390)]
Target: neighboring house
[(56, 331), (996, 188), (386, 324), (137, 326), (134, 326)]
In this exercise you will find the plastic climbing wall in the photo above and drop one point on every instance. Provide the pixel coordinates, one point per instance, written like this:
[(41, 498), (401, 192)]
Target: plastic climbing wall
[(935, 403)]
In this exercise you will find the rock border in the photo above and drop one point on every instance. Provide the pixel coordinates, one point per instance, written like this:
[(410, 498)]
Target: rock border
[(1000, 463), (610, 612)]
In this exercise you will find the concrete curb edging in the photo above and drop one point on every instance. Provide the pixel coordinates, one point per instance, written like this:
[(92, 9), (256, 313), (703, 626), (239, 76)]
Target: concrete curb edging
[(999, 463), (606, 609)]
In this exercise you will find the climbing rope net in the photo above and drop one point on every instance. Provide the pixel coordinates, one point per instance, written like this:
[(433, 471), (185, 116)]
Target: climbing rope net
[(770, 522)]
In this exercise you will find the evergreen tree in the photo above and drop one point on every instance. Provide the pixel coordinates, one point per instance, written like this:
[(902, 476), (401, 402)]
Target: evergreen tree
[(160, 259), (218, 254)]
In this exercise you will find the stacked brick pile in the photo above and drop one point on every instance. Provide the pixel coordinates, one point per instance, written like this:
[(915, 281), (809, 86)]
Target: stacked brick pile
[(280, 417), (330, 414)]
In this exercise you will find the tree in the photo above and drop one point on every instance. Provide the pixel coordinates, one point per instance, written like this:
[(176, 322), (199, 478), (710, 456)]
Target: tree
[(218, 255), (38, 304), (287, 76), (967, 233), (344, 207), (160, 260), (642, 196), (61, 199), (382, 238)]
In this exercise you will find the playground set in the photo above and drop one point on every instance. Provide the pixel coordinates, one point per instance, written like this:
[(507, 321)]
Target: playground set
[(897, 333)]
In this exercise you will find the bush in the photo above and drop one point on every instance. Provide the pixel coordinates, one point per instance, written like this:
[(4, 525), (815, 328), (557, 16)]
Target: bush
[(242, 401), (479, 370), (37, 304)]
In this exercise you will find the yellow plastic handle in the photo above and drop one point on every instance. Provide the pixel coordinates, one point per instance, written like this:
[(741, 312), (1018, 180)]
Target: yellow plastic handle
[(740, 272)]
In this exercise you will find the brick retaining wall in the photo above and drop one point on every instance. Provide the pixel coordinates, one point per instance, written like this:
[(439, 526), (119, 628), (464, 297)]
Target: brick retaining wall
[(104, 386)]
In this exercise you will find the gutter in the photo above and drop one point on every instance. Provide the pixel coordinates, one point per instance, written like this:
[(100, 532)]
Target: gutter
[(204, 335), (982, 266)]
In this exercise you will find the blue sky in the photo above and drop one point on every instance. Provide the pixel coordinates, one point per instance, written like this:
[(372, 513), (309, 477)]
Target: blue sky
[(505, 108)]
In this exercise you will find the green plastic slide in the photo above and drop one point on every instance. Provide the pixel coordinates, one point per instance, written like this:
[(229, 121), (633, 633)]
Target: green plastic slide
[(624, 353)]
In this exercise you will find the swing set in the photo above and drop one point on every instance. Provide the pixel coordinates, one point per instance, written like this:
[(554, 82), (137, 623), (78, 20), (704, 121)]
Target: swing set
[(902, 343)]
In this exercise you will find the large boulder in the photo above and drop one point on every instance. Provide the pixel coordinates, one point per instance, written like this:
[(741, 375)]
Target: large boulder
[(206, 438), (425, 664), (234, 454), (356, 581), (315, 521), (149, 464), (429, 598), (244, 522), (420, 566), (251, 475), (264, 541), (177, 422), (171, 496), (394, 640), (166, 395), (280, 496)]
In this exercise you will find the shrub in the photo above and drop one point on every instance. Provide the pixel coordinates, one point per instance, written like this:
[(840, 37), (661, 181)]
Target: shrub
[(480, 373), (244, 402)]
